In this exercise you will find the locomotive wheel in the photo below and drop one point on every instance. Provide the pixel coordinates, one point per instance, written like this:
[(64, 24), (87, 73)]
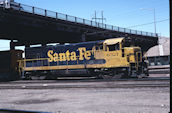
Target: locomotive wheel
[(143, 74), (105, 76), (116, 76), (51, 77), (37, 77), (127, 73)]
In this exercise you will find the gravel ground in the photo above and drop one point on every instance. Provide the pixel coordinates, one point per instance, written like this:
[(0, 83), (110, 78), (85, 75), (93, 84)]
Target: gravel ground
[(97, 98), (88, 100)]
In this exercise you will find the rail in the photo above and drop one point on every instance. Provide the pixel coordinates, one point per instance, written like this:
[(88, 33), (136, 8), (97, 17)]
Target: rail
[(56, 15)]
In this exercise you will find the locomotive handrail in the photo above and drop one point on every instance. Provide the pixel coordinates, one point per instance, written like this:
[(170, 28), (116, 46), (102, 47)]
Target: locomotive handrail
[(38, 59), (34, 59), (60, 16)]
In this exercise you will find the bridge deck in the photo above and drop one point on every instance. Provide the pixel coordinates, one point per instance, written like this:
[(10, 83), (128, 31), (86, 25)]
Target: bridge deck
[(31, 25)]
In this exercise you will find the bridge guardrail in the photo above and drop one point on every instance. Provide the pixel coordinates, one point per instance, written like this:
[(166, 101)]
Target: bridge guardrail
[(56, 15)]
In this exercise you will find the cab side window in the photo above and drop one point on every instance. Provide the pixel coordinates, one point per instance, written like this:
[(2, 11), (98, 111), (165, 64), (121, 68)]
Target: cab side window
[(117, 46), (111, 47)]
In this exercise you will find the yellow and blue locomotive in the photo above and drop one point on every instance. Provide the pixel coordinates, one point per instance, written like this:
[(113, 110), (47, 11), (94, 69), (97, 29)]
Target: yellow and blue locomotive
[(108, 58)]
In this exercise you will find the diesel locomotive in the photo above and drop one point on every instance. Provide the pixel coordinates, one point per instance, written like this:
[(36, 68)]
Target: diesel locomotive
[(110, 58)]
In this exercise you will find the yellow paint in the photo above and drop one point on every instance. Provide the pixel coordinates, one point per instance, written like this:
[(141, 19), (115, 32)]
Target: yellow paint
[(87, 55), (51, 58), (62, 56), (113, 41), (73, 56), (55, 57), (83, 54), (68, 55), (113, 58)]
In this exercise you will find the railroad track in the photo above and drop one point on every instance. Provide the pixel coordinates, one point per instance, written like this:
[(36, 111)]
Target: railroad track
[(87, 79), (86, 83)]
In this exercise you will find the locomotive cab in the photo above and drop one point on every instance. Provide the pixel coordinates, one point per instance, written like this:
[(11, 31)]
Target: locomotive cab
[(138, 66)]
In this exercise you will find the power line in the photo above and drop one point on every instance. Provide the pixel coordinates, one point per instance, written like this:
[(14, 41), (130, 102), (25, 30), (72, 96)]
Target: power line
[(138, 14), (147, 23), (131, 12)]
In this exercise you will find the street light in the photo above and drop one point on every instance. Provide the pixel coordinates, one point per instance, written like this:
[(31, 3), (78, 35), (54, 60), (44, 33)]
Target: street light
[(151, 9)]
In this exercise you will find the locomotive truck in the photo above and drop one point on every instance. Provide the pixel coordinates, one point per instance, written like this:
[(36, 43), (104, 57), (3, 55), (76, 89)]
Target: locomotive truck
[(110, 58)]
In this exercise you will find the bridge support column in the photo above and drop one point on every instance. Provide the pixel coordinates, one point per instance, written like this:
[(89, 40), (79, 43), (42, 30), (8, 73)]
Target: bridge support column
[(132, 41), (12, 45), (27, 45), (44, 44)]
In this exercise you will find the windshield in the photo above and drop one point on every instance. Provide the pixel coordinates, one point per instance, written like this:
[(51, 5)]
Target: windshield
[(113, 47)]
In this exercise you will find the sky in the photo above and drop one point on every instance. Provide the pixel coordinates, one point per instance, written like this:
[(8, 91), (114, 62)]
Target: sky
[(133, 14)]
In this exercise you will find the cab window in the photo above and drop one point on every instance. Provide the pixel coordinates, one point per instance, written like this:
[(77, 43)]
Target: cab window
[(113, 47)]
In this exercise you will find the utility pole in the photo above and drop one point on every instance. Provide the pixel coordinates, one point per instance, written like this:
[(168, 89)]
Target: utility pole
[(95, 17), (154, 20), (102, 17), (151, 9)]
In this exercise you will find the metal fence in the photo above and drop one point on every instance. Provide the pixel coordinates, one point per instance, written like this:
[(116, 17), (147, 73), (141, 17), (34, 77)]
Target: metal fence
[(47, 13)]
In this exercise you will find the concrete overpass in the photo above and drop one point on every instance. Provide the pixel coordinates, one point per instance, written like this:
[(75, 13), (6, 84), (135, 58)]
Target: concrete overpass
[(30, 25)]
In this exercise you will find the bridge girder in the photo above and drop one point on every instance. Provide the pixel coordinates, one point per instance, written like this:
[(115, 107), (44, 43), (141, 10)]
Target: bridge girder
[(32, 29)]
